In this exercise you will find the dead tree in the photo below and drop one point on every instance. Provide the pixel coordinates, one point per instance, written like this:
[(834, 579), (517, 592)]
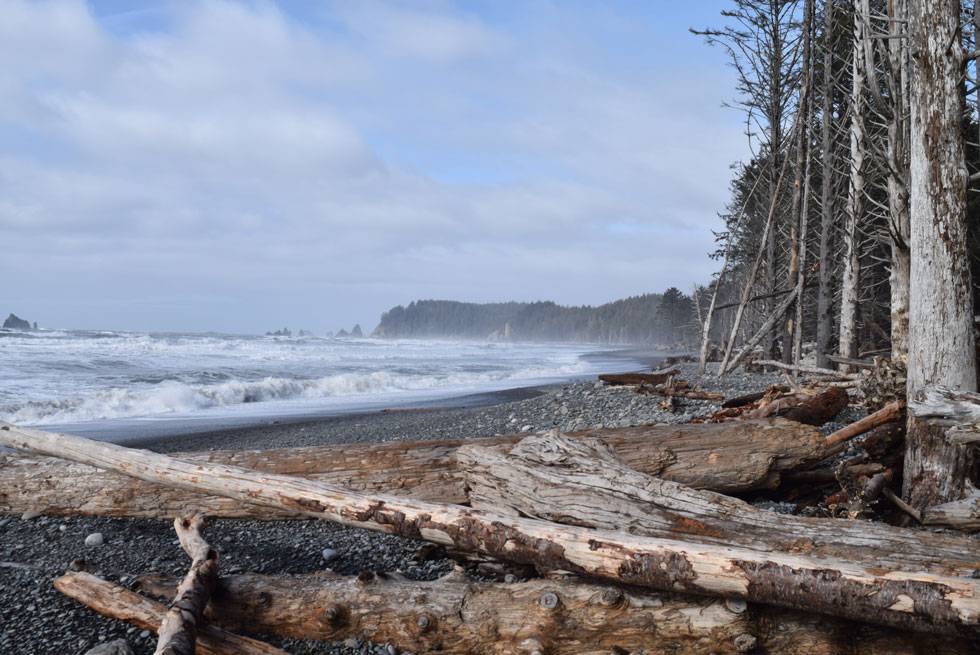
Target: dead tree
[(941, 340)]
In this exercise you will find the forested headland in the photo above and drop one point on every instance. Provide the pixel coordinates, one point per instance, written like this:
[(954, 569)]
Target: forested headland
[(647, 319)]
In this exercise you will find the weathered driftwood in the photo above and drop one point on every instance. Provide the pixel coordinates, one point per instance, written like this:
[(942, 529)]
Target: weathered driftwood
[(118, 602), (582, 483), (179, 628), (560, 617), (910, 600), (452, 615), (732, 458), (937, 469), (679, 392), (629, 379)]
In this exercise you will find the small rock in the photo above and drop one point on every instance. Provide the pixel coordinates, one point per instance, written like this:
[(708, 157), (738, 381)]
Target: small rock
[(29, 515), (144, 634), (95, 539), (527, 428), (117, 647), (329, 554)]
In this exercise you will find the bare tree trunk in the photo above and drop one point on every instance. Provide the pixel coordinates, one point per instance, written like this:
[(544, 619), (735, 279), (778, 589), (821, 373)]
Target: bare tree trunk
[(706, 325), (941, 340), (764, 247), (848, 345), (908, 600), (828, 218), (898, 178), (800, 188)]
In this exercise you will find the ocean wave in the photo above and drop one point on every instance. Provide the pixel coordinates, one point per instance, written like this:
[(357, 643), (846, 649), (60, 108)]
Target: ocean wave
[(175, 397)]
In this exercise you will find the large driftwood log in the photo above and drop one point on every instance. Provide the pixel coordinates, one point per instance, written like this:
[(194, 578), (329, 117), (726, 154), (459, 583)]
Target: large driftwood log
[(559, 617), (918, 600), (179, 628), (452, 615), (118, 602), (582, 483), (731, 458)]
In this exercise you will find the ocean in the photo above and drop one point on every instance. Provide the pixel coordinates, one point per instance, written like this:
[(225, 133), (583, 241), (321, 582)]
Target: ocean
[(100, 382)]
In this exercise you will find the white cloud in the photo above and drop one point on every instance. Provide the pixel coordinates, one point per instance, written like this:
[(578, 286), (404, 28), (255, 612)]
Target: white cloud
[(362, 158)]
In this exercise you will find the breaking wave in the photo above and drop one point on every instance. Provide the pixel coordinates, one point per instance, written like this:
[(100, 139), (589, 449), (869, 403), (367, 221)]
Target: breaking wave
[(176, 397)]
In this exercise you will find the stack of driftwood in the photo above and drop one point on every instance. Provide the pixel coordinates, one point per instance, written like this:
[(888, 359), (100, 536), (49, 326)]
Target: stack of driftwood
[(641, 539)]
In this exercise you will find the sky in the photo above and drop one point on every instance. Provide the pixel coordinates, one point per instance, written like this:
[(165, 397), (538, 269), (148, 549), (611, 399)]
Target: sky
[(242, 166)]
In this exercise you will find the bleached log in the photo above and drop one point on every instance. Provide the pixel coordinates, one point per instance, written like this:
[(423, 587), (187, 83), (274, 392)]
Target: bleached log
[(117, 602), (797, 368), (732, 458), (924, 601), (179, 628), (559, 617)]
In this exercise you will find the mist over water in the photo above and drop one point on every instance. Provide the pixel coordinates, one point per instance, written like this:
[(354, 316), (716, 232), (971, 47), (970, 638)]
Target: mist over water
[(70, 377)]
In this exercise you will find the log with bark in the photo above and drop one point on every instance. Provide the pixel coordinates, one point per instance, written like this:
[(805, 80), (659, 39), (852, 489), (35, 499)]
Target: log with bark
[(179, 628), (559, 617), (733, 458), (117, 602), (454, 615), (917, 600)]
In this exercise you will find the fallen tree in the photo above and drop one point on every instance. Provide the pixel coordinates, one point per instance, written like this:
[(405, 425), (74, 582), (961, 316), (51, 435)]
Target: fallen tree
[(120, 603), (559, 617), (915, 600), (630, 379), (737, 457)]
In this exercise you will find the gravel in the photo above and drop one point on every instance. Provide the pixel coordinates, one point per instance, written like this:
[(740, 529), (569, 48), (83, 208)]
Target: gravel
[(36, 619)]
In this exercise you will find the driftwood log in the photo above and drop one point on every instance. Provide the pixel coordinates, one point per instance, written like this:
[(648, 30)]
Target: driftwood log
[(731, 458), (179, 628), (920, 600), (117, 602), (630, 379), (559, 617), (582, 483), (452, 615), (809, 408)]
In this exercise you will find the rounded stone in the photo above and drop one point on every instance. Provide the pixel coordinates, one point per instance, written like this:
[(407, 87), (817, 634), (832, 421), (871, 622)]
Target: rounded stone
[(94, 540)]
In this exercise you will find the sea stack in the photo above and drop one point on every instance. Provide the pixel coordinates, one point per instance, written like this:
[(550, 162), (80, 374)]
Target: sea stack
[(15, 322)]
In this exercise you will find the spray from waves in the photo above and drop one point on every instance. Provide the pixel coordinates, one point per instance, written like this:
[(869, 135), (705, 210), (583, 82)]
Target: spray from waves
[(173, 397)]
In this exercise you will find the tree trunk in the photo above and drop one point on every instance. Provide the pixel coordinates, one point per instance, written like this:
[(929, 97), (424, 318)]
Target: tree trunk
[(801, 186), (451, 616), (731, 458), (847, 337), (179, 628), (118, 602), (828, 218), (941, 340), (937, 602), (898, 179)]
